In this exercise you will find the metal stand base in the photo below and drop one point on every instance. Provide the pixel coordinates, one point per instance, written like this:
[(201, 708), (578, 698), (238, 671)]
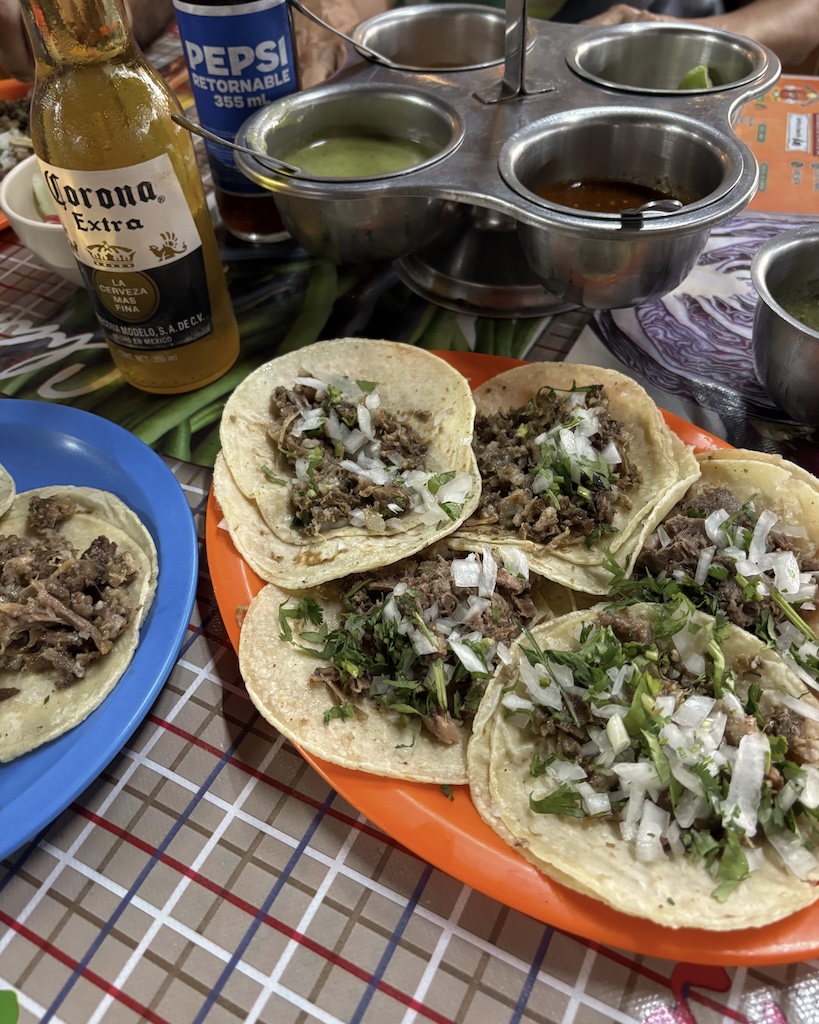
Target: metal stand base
[(480, 270)]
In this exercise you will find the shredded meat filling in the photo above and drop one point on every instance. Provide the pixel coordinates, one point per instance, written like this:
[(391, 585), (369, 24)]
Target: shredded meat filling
[(569, 735), (685, 530), (333, 492), (508, 454), (430, 579), (60, 609)]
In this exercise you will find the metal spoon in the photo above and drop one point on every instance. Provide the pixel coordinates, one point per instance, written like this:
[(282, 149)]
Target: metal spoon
[(635, 216), (268, 161), (368, 51)]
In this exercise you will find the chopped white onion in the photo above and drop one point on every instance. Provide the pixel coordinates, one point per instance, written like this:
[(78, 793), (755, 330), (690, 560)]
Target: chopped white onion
[(594, 803), (365, 422), (617, 735), (516, 562), (694, 710), (662, 536), (641, 774), (467, 657), (674, 840), (648, 841), (713, 524), (562, 770), (689, 807), (421, 643), (504, 654), (489, 574), (311, 382), (809, 786), (704, 564), (759, 538), (611, 454), (540, 690), (633, 812), (787, 796), (466, 572), (514, 702), (354, 441), (798, 860), (544, 479), (741, 804)]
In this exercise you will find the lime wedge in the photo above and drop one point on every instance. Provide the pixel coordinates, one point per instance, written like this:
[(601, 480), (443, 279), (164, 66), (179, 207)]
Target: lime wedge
[(41, 195), (697, 78)]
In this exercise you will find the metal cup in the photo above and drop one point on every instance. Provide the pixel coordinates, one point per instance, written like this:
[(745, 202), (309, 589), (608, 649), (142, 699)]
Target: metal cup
[(442, 37), (608, 260), (785, 270), (353, 219), (654, 57)]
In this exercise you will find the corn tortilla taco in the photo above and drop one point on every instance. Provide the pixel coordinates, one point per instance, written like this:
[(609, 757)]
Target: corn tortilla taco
[(79, 572), (349, 455), (743, 540), (577, 465), (658, 759), (381, 672)]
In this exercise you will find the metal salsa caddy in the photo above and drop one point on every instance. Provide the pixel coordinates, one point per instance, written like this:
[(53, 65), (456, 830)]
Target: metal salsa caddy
[(465, 226)]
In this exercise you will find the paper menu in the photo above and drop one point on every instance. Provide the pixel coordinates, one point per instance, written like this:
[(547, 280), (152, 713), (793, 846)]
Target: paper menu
[(782, 129)]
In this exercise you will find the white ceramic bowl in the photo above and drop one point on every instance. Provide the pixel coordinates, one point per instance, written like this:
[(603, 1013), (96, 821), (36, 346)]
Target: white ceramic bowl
[(47, 241)]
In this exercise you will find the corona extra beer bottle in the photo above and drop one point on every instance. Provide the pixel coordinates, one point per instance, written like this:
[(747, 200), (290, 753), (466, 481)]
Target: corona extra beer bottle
[(125, 181), (240, 56)]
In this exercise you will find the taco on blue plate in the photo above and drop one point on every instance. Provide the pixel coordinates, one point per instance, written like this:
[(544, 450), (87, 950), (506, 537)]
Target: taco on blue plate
[(78, 573)]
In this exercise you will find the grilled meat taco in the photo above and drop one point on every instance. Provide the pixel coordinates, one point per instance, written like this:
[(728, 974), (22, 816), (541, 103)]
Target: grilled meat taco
[(78, 572), (349, 455), (658, 759), (382, 672), (744, 540), (577, 466)]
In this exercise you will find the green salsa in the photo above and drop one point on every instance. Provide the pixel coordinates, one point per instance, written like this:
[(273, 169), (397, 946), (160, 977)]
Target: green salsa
[(357, 155), (802, 303)]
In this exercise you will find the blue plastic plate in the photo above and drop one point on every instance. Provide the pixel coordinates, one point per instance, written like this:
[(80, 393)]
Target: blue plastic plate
[(42, 444)]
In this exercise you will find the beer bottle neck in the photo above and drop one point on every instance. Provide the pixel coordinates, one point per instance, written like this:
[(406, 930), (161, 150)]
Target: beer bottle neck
[(76, 31)]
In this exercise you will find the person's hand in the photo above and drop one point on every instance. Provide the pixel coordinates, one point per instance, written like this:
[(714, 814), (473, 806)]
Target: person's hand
[(15, 56), (619, 14)]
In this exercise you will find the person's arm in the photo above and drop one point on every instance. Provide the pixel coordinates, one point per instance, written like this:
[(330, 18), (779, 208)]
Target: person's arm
[(790, 29), (148, 18), (15, 56), (320, 52)]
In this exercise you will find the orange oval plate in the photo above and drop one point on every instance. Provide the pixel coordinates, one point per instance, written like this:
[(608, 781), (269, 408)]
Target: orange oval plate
[(449, 833)]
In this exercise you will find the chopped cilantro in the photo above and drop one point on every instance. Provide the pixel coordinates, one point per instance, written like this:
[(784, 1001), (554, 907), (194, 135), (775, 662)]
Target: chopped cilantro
[(273, 477), (564, 800), (339, 711), (436, 482)]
